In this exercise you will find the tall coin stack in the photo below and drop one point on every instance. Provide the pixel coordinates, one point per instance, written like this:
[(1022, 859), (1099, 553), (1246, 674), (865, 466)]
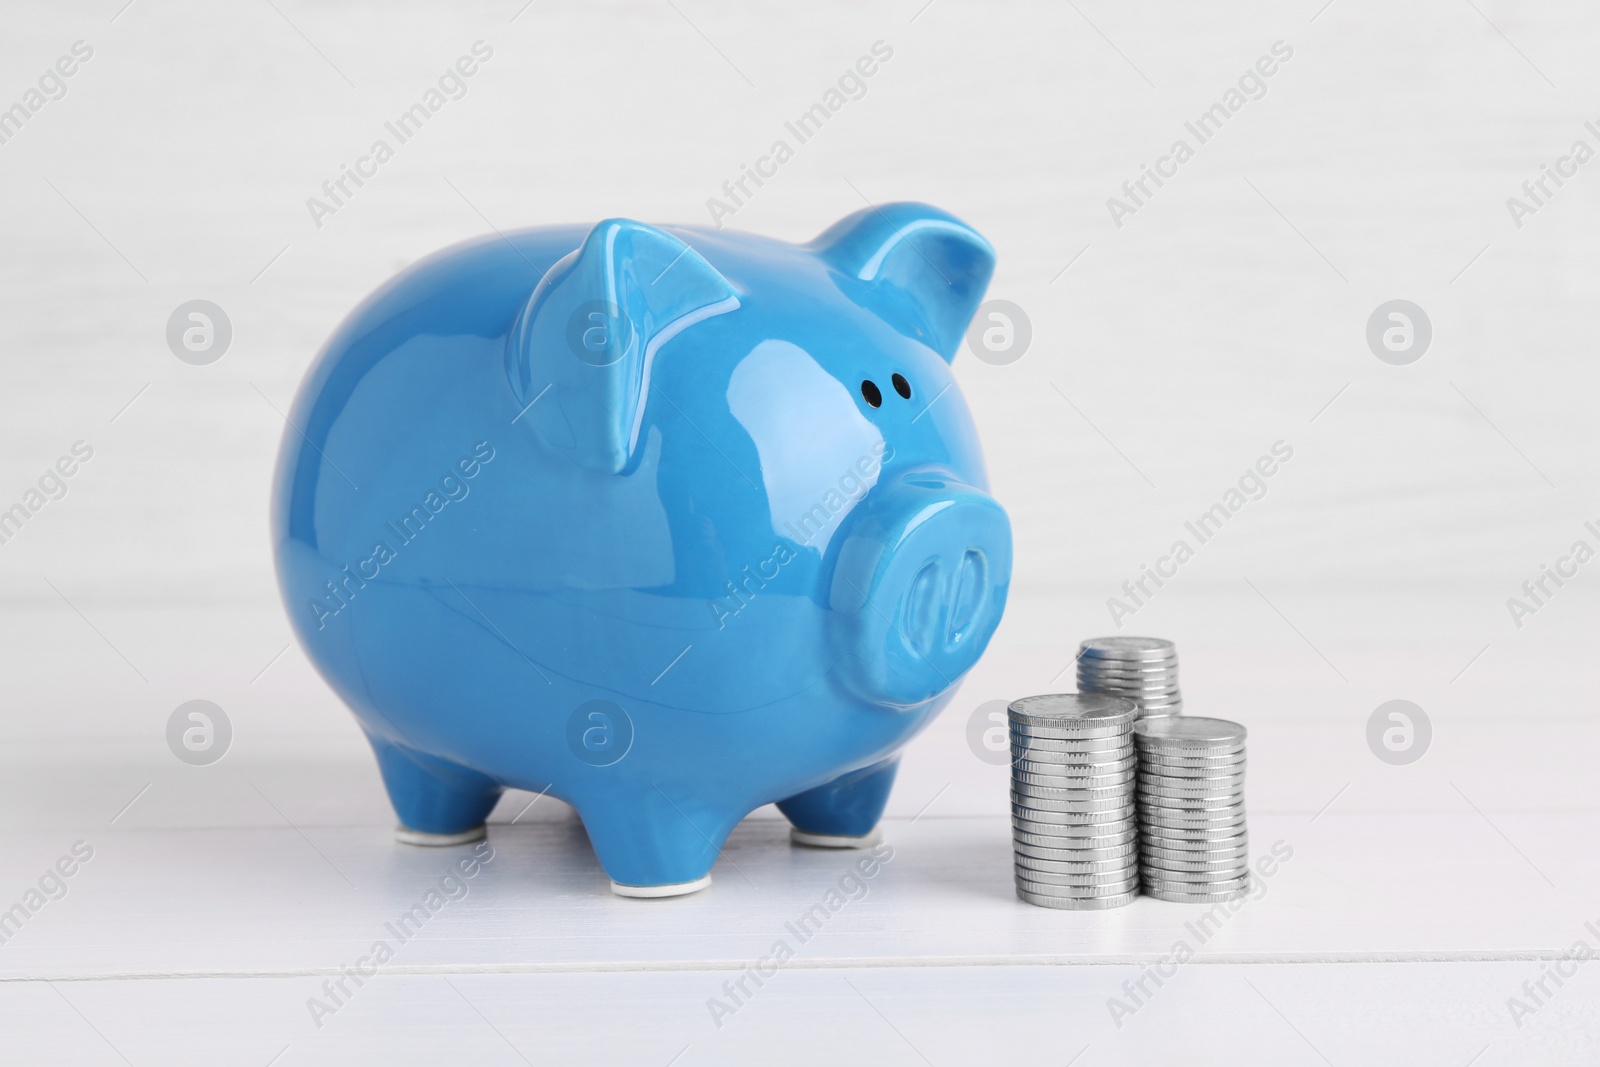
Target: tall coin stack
[(1074, 836), (1193, 846), (1143, 669)]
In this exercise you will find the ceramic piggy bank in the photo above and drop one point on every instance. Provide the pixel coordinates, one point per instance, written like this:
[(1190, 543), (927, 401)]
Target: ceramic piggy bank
[(670, 523)]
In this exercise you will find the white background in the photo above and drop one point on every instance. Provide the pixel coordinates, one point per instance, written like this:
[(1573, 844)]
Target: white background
[(1227, 314)]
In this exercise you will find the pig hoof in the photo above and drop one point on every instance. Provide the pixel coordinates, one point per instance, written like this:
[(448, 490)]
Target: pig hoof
[(866, 840), (421, 837), (652, 891)]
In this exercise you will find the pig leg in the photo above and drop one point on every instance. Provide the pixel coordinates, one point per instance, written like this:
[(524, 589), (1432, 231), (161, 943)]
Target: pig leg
[(655, 845), (438, 802), (843, 813)]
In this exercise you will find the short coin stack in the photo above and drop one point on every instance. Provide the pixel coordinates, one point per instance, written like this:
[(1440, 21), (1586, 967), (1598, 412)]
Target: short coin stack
[(1192, 838), (1143, 669), (1074, 836)]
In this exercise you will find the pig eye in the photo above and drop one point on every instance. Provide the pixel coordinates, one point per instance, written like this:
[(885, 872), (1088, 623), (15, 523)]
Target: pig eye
[(870, 393), (902, 386)]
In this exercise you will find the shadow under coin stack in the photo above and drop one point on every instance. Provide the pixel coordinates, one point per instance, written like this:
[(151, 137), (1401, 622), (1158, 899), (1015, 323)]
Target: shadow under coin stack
[(1143, 669), (1074, 837), (1193, 847)]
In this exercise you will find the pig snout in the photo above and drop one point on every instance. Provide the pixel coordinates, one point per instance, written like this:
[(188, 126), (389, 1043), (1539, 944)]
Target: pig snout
[(919, 584)]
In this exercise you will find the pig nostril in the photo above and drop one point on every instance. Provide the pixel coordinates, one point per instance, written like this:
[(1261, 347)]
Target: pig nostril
[(972, 579), (922, 609), (870, 393), (902, 386)]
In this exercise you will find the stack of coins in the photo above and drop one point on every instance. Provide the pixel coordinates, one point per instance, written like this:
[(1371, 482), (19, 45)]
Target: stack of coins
[(1143, 669), (1192, 839), (1072, 783)]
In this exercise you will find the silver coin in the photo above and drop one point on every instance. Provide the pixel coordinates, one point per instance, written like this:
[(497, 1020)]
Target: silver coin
[(1026, 735), (1167, 835), (1199, 795), (1237, 866), (1178, 880), (1107, 835), (1035, 882), (1190, 757), (1193, 731), (1074, 824), (1123, 685), (1065, 711), (1199, 818), (1103, 835), (1208, 807), (1094, 745), (1141, 695), (1064, 851), (1157, 763), (1060, 903), (1078, 766), (1103, 665), (1030, 819), (1194, 848), (1153, 830), (1079, 823), (1198, 898), (1114, 882), (1190, 807), (1193, 861), (1091, 846), (1075, 782), (1100, 672), (1192, 778), (1192, 840), (1119, 800), (1082, 892), (1117, 864), (1119, 791), (1152, 681), (1125, 647), (1161, 774), (1194, 851), (1187, 837), (1201, 885), (1106, 846), (1055, 757)]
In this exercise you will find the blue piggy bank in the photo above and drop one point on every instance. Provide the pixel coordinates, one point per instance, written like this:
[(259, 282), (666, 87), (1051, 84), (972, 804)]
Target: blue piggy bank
[(670, 523)]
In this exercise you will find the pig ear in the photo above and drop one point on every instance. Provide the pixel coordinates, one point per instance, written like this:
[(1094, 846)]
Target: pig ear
[(931, 267), (579, 356)]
